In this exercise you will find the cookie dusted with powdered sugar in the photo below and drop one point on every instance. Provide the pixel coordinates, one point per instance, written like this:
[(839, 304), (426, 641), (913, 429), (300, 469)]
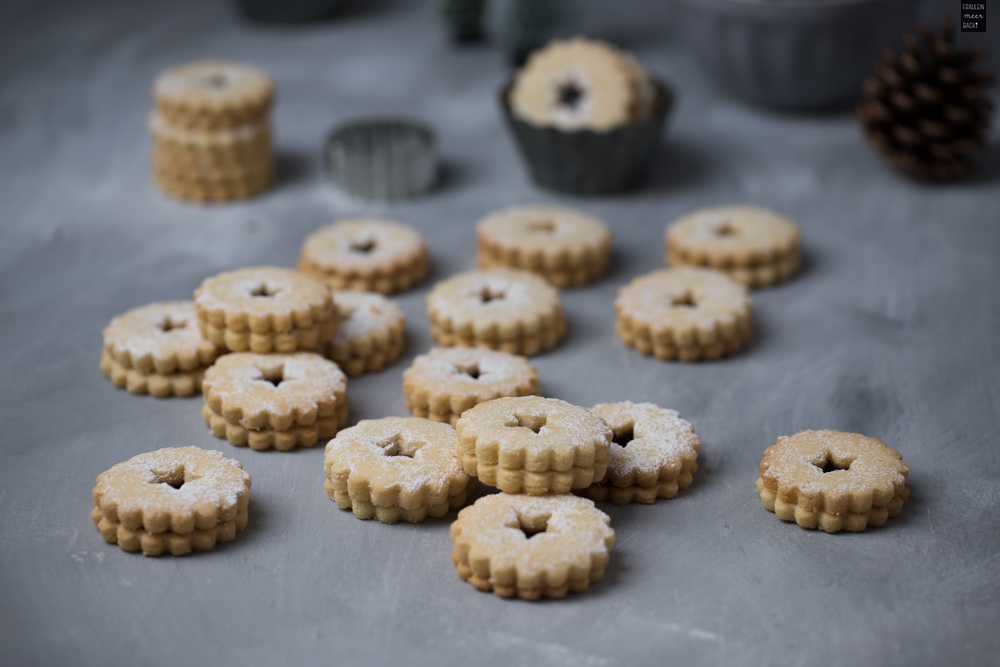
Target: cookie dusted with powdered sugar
[(447, 381), (833, 481), (370, 334), (654, 453), (532, 546), (174, 500), (157, 349), (274, 401), (396, 469)]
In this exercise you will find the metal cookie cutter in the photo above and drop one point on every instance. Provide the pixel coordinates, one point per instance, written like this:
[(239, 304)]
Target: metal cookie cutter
[(382, 159)]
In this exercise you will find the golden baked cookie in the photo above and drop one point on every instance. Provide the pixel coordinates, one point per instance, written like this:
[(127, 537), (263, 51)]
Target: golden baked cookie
[(173, 500), (513, 311), (370, 335), (575, 84), (447, 381), (219, 148), (566, 247), (157, 349), (279, 401), (533, 445), (685, 313), (213, 94), (654, 453), (833, 480), (202, 185), (265, 309), (396, 469), (755, 246), (532, 547), (366, 254)]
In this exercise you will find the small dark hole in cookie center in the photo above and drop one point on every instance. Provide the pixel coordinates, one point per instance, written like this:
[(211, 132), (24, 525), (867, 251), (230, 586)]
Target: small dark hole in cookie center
[(216, 81), (622, 438), (363, 246), (831, 466), (174, 479), (487, 295), (685, 300), (542, 227), (274, 377), (472, 371), (395, 448), (532, 422), (725, 229), (264, 290), (169, 325), (532, 528), (570, 95)]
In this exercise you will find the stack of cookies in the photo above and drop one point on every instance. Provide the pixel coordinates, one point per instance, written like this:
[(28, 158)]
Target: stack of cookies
[(211, 131)]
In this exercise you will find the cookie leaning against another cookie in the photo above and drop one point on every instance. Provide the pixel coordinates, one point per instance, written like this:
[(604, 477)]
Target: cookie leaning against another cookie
[(654, 453), (503, 309), (366, 254), (157, 349), (396, 468), (370, 335), (566, 247), (447, 381), (533, 445), (532, 547), (833, 480), (753, 245), (174, 500), (686, 314), (279, 401), (265, 309)]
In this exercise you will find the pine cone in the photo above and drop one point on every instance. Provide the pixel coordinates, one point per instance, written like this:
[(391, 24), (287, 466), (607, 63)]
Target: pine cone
[(925, 110)]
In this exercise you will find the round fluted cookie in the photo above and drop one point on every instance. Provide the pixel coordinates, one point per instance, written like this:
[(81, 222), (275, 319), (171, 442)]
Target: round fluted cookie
[(753, 245), (686, 314), (366, 254), (531, 546), (533, 445), (370, 334), (176, 499), (396, 468), (265, 309), (213, 94), (279, 401), (653, 455), (833, 480), (157, 349), (447, 381), (503, 309), (564, 246)]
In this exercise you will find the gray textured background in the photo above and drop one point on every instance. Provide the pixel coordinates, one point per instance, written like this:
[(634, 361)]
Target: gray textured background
[(891, 330)]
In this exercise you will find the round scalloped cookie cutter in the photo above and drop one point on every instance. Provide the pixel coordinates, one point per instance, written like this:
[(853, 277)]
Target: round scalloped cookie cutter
[(382, 159)]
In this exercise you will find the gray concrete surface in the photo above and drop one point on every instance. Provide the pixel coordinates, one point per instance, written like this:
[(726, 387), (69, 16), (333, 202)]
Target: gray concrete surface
[(891, 329)]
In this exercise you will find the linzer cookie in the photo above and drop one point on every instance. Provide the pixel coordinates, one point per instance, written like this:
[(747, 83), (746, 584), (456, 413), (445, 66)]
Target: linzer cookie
[(532, 547), (654, 453), (686, 314), (447, 381), (211, 132), (265, 309), (833, 481), (580, 84), (157, 349), (513, 311), (755, 246), (533, 445), (174, 500), (213, 94), (366, 254), (279, 401), (396, 469), (564, 246), (370, 334)]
